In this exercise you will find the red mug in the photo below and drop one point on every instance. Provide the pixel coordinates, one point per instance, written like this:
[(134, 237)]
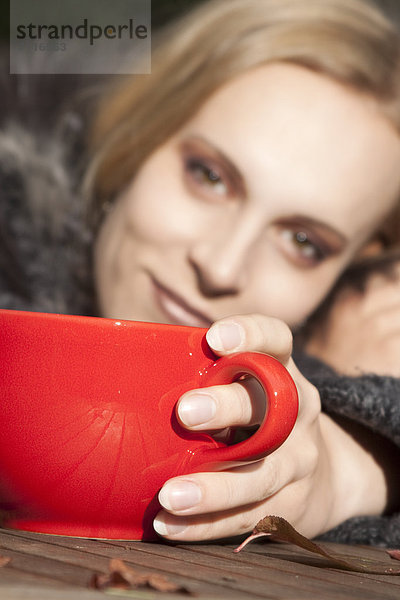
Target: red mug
[(89, 433)]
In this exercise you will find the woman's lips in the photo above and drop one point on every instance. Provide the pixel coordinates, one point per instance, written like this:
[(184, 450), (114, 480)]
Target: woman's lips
[(176, 309)]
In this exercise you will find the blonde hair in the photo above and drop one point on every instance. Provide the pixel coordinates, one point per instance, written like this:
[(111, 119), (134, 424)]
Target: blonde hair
[(349, 41)]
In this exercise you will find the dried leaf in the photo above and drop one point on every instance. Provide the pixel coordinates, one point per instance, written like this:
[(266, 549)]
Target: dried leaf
[(4, 560), (394, 554), (279, 529), (126, 578), (138, 594)]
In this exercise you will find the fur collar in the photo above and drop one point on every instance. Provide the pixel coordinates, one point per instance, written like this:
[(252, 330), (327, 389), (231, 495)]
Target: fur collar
[(44, 242)]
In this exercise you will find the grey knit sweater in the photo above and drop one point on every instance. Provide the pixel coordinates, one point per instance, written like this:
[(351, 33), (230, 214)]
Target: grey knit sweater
[(45, 266)]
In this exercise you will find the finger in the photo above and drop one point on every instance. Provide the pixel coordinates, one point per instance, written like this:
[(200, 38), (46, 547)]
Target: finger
[(291, 503), (237, 404), (203, 493), (253, 333), (188, 525), (207, 527), (214, 505)]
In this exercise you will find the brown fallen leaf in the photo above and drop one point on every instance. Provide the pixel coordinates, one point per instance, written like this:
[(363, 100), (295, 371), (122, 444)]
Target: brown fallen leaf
[(123, 577), (278, 529), (394, 554), (4, 560)]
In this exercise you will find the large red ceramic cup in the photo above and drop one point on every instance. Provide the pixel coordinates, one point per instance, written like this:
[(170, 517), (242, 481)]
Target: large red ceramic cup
[(88, 428)]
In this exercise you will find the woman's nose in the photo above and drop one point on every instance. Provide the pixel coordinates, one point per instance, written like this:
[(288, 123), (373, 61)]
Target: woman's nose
[(222, 260)]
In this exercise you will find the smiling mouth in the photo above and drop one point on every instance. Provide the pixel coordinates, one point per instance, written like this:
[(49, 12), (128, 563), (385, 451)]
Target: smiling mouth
[(177, 310)]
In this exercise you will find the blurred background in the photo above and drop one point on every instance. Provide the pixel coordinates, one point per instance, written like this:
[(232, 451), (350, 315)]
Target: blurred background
[(164, 11), (36, 99)]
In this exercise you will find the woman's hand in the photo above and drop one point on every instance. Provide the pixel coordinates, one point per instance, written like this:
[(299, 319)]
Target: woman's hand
[(319, 477), (361, 333)]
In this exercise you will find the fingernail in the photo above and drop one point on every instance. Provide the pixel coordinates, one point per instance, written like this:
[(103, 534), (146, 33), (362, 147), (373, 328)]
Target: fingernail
[(179, 495), (171, 529), (225, 336), (196, 409)]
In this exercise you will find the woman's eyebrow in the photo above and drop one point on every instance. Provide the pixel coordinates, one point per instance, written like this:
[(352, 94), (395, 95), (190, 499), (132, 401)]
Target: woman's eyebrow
[(204, 145)]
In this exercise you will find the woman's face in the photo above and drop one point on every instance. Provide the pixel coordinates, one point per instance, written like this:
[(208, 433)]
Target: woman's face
[(256, 205)]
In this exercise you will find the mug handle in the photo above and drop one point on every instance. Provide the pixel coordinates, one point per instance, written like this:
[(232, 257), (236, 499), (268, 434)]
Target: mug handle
[(281, 406)]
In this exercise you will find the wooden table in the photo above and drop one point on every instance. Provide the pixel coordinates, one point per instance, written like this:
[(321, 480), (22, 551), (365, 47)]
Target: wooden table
[(44, 567)]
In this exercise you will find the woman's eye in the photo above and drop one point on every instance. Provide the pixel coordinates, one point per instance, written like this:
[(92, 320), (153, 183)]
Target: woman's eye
[(206, 176), (299, 244)]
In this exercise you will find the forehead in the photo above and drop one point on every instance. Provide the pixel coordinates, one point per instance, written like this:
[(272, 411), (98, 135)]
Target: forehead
[(301, 137)]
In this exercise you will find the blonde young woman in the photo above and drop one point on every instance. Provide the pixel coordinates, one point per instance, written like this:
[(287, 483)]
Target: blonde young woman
[(232, 189)]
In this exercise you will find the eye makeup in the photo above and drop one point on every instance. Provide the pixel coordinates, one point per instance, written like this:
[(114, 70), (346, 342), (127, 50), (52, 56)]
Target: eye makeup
[(210, 169), (309, 242), (206, 175)]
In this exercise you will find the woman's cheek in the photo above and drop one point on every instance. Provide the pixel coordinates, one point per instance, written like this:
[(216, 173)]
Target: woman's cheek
[(160, 214), (290, 294)]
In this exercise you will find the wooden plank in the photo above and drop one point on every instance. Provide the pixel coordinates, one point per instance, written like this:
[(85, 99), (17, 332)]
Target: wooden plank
[(48, 568), (198, 580), (264, 570), (375, 557), (296, 561), (10, 575), (346, 584), (27, 592), (76, 566), (219, 559), (298, 558)]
